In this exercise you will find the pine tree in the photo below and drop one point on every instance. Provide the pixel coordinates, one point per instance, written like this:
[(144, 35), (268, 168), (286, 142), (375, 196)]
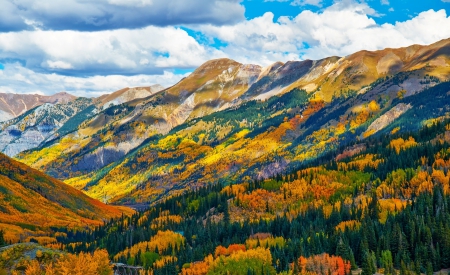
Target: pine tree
[(2, 238)]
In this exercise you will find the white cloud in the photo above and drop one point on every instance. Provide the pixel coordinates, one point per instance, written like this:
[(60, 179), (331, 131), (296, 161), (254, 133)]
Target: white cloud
[(341, 29), (317, 3), (143, 51), (17, 79), (59, 65), (114, 14), (151, 53)]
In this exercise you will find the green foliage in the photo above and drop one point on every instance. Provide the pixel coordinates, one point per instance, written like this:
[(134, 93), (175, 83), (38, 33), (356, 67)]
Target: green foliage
[(242, 267), (148, 258), (387, 263), (272, 185)]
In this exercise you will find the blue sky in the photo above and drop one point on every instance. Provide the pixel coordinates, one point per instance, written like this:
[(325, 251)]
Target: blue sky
[(89, 48), (390, 11)]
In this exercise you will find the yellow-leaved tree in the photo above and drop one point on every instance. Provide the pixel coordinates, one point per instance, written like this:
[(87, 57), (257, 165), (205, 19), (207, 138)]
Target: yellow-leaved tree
[(71, 264)]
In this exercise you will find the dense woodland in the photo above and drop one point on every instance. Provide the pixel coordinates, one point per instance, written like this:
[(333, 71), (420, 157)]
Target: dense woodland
[(385, 209)]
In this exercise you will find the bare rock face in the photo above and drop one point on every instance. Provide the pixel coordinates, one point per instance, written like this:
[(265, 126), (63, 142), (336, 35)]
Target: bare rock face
[(128, 94), (13, 105), (272, 169), (38, 125), (389, 117)]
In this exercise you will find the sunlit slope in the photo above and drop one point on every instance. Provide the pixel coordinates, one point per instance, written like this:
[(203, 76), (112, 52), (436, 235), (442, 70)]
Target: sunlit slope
[(114, 132), (32, 202)]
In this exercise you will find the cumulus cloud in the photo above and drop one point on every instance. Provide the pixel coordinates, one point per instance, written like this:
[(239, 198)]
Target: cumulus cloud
[(341, 29), (145, 51), (14, 78), (317, 3), (112, 14), (91, 63)]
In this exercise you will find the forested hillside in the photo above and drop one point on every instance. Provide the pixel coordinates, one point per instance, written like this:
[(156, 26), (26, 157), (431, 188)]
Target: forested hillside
[(384, 209), (34, 206)]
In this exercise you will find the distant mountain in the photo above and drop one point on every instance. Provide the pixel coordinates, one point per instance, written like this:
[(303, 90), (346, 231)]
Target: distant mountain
[(42, 123), (230, 122), (60, 114), (127, 94), (13, 105), (33, 204)]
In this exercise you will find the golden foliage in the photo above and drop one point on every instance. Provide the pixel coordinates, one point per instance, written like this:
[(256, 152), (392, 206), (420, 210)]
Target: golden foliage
[(351, 225), (265, 242), (401, 144), (162, 240), (71, 264)]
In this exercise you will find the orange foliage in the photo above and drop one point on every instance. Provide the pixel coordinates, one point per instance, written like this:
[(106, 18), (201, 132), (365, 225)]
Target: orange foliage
[(324, 264), (232, 248), (197, 268), (259, 199)]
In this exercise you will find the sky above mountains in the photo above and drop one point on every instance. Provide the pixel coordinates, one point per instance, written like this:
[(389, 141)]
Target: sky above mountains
[(88, 48)]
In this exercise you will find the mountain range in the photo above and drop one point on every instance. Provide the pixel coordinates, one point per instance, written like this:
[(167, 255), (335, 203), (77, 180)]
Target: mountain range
[(305, 165), (13, 105), (227, 122)]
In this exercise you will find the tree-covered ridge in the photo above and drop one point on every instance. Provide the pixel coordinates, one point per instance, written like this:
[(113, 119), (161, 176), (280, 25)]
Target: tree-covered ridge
[(384, 209)]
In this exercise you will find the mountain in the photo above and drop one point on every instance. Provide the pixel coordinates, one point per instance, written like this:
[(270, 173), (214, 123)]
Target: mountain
[(127, 94), (117, 130), (33, 205), (42, 123), (229, 122), (13, 105), (57, 117)]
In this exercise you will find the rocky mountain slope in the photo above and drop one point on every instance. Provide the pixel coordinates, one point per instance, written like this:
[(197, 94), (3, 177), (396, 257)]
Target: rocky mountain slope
[(57, 117), (32, 204), (231, 122), (40, 124), (114, 132), (13, 105), (127, 94)]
